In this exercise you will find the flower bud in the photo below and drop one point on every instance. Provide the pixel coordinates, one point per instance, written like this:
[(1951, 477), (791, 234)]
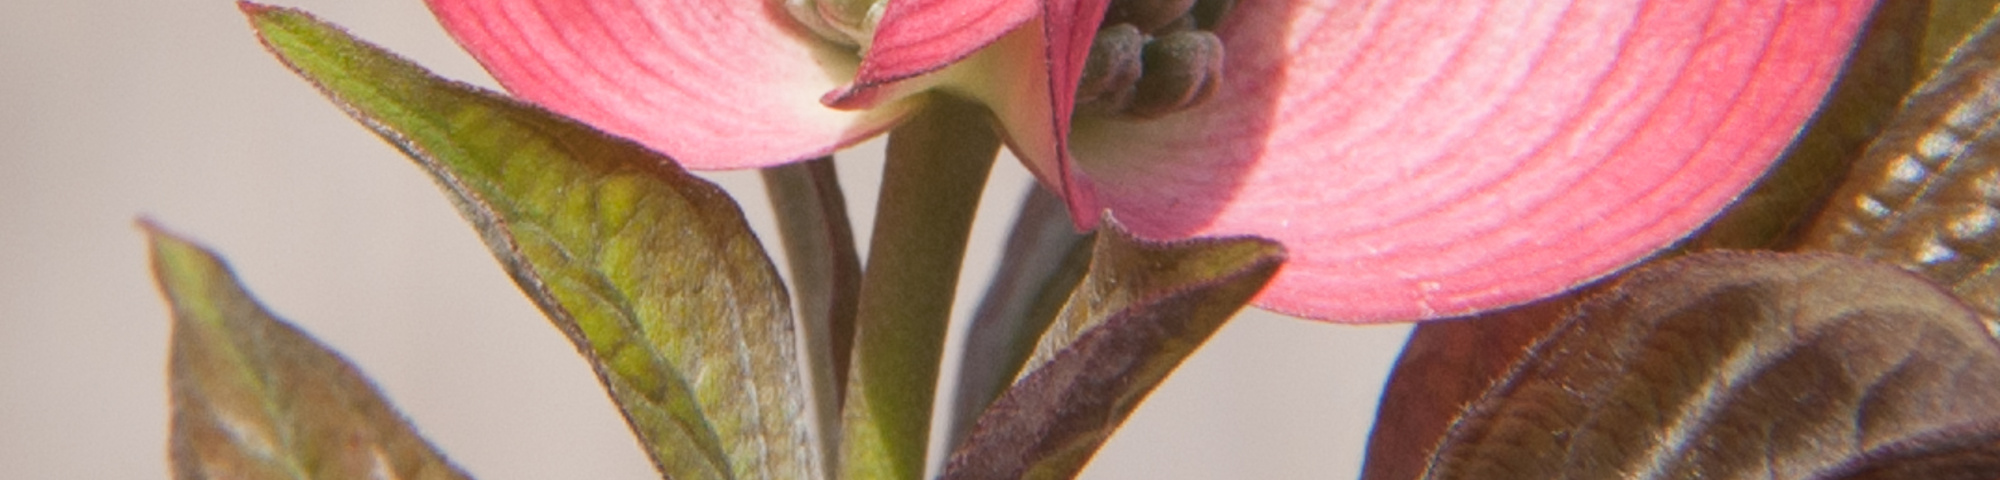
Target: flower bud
[(1147, 15), (1208, 14), (1182, 70), (1110, 71)]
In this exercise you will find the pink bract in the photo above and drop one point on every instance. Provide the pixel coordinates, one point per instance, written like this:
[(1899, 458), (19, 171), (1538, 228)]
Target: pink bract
[(1418, 158)]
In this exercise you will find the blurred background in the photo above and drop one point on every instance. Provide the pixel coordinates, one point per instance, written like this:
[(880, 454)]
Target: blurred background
[(171, 110)]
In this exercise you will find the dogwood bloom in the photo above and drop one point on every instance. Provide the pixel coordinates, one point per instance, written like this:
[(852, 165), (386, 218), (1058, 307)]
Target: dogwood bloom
[(1418, 158)]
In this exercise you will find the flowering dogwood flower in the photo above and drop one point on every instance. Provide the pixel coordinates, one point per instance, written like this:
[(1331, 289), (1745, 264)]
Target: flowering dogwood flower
[(1418, 158)]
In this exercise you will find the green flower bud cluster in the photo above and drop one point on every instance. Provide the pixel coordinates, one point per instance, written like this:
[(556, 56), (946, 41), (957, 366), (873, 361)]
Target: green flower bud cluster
[(1152, 58)]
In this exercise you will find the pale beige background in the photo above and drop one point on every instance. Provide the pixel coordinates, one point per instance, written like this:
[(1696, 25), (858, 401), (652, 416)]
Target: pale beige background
[(109, 110)]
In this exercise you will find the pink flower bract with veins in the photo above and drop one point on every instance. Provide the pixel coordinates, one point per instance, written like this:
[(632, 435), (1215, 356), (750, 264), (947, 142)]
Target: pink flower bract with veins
[(1418, 158)]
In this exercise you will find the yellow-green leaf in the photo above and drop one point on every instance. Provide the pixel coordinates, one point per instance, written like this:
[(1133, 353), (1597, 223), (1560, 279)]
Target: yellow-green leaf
[(651, 272), (255, 398)]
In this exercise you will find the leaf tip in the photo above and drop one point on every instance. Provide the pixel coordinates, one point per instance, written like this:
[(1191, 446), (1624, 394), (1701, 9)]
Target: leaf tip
[(1247, 252), (169, 249), (253, 9), (260, 15), (148, 226)]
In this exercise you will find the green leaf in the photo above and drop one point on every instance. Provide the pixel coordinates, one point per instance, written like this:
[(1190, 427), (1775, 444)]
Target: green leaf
[(1445, 365), (1883, 67), (1745, 365), (651, 272), (1141, 310), (255, 398), (1926, 195)]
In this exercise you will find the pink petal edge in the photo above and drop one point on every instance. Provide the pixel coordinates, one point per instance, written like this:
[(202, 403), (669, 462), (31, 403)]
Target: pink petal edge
[(1069, 32), (1010, 55), (1012, 77), (714, 88), (1426, 159), (915, 37)]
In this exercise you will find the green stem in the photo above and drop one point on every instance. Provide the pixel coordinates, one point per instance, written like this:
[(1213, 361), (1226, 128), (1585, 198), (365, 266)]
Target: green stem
[(826, 278), (937, 166)]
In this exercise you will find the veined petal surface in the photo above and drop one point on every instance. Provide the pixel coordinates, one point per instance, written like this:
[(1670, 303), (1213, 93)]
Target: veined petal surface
[(1424, 159), (715, 87), (1015, 76), (921, 36)]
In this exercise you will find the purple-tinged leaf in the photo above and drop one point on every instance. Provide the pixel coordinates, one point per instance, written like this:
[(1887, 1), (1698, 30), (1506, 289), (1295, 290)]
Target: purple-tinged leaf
[(1446, 365), (1952, 21), (1042, 263), (1926, 194), (1745, 365), (1142, 309), (255, 398), (651, 273)]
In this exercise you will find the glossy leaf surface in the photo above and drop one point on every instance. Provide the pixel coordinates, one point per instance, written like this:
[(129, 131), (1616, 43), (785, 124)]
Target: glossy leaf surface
[(1445, 366), (1926, 194), (1746, 365), (652, 273), (1141, 310), (255, 398), (1952, 21)]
